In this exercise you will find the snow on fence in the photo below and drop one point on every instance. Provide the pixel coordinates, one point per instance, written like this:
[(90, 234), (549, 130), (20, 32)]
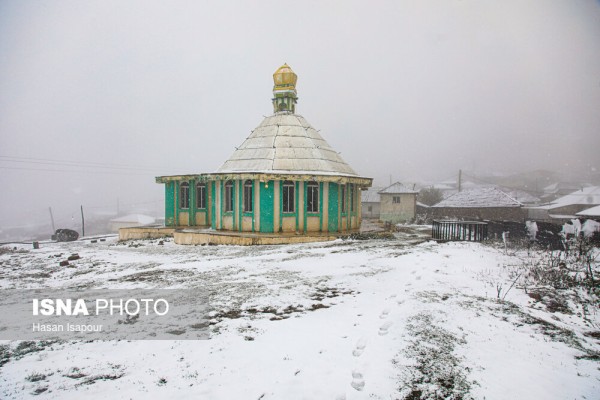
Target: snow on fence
[(472, 231)]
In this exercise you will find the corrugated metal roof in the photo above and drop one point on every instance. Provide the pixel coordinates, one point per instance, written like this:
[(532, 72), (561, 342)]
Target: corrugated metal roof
[(479, 198), (397, 188), (286, 143)]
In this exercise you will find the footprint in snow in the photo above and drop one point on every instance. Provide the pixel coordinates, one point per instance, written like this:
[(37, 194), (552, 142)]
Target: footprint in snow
[(358, 381), (384, 313), (383, 329), (360, 347)]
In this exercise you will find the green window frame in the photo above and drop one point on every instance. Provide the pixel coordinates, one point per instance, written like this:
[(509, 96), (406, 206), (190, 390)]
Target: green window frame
[(312, 197), (248, 197), (201, 196), (228, 203), (288, 197), (184, 195)]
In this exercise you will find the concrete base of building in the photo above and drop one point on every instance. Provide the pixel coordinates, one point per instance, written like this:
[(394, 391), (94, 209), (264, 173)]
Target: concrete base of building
[(145, 232), (203, 236)]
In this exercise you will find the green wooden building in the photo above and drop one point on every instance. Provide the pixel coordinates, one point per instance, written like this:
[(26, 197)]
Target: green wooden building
[(284, 178)]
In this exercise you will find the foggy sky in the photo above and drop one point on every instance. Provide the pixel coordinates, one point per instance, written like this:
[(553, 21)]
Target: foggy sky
[(99, 97)]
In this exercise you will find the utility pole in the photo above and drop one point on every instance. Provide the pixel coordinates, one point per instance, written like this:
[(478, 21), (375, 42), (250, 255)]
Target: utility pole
[(459, 180), (52, 220), (82, 223)]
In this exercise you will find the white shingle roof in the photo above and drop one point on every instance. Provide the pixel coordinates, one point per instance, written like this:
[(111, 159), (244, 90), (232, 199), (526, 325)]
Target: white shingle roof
[(590, 212), (589, 195), (286, 143), (479, 198)]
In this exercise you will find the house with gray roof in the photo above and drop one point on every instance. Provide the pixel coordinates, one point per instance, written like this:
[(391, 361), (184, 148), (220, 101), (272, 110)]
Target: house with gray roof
[(479, 204), (398, 203), (371, 202), (567, 207)]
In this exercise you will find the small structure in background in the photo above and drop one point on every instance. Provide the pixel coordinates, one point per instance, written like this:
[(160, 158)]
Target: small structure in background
[(567, 207), (472, 231), (131, 220), (558, 190), (590, 213), (398, 203), (371, 202), (487, 203)]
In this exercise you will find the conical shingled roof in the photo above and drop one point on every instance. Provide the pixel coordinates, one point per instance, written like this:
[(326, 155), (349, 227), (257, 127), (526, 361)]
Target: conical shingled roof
[(286, 143)]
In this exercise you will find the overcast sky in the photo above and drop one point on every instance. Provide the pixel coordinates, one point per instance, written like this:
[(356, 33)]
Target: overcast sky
[(99, 97)]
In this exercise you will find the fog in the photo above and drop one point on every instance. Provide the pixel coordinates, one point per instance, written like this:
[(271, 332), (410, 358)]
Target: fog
[(99, 97)]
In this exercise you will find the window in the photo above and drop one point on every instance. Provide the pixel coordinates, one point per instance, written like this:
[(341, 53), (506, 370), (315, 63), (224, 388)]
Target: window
[(351, 187), (201, 196), (343, 196), (248, 196), (288, 197), (184, 195), (312, 197), (370, 208), (228, 196), (396, 199)]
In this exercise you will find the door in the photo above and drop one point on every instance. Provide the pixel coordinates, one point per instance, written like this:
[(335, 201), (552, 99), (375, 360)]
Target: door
[(170, 204), (267, 193), (332, 224)]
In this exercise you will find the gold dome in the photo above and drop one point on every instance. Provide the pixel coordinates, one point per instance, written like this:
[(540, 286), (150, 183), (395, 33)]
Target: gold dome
[(285, 78)]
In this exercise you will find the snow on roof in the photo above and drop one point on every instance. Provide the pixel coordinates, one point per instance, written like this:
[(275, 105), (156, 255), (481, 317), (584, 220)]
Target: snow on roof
[(523, 196), (589, 195), (135, 218), (479, 198), (560, 186), (286, 143), (371, 195), (397, 188), (590, 212)]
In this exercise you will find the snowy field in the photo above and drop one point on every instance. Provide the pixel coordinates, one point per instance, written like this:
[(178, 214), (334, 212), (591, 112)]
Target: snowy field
[(371, 319)]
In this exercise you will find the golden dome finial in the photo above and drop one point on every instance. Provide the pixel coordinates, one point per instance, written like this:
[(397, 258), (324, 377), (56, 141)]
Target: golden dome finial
[(284, 78), (284, 91)]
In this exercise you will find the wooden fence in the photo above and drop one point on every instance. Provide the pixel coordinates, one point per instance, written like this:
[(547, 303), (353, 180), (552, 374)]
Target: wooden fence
[(472, 231)]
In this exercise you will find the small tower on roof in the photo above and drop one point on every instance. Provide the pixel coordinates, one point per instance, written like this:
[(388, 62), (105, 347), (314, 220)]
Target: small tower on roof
[(284, 90)]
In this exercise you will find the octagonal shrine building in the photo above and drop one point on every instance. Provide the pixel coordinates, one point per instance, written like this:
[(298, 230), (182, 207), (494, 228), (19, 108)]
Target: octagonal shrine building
[(283, 184)]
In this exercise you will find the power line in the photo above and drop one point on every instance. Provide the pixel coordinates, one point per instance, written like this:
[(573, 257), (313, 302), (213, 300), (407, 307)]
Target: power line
[(77, 171), (49, 161)]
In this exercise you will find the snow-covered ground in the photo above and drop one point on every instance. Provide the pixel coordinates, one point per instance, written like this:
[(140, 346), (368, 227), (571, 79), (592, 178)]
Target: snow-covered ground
[(372, 319)]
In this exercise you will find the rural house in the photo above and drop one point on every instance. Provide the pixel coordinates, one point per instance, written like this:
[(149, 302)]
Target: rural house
[(485, 203), (398, 203)]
